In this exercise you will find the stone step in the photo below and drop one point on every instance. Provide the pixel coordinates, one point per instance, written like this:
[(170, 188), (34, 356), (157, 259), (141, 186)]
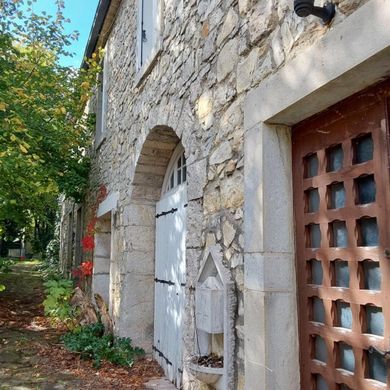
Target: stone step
[(160, 384)]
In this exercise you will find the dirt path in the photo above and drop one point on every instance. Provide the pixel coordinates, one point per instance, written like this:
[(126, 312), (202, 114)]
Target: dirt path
[(31, 356)]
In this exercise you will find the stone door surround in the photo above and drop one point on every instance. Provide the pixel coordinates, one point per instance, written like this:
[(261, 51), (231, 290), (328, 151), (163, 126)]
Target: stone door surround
[(349, 58)]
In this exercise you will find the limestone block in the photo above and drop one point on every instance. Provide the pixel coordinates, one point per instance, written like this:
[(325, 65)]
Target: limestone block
[(101, 265), (227, 59), (262, 21), (102, 244), (277, 47), (232, 191), (230, 167), (197, 179), (211, 200), (245, 70), (231, 22), (209, 46), (222, 153), (270, 271), (232, 118), (101, 285), (236, 260), (140, 237), (228, 233), (194, 224), (243, 6), (264, 69), (139, 214), (139, 262)]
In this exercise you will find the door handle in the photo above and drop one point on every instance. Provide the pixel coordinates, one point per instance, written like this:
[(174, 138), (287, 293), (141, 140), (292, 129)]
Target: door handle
[(384, 354)]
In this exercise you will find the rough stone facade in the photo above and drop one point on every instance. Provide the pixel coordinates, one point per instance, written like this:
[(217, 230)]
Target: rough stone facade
[(212, 54)]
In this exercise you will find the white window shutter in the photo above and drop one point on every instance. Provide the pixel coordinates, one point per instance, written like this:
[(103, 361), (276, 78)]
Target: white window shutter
[(139, 34)]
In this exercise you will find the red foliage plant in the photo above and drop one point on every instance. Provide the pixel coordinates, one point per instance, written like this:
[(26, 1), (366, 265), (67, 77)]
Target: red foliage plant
[(88, 242)]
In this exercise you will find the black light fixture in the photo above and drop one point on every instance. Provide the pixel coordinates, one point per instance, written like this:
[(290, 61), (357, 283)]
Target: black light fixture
[(305, 8)]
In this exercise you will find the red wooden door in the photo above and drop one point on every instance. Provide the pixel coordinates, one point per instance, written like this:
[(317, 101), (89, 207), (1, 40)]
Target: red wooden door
[(341, 205)]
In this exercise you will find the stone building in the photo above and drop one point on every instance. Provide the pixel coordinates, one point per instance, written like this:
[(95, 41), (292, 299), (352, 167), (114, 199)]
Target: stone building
[(244, 151)]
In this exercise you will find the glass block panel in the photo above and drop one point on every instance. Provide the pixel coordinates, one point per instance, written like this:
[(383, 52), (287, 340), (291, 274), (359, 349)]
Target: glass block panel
[(372, 275), (374, 320), (344, 387), (369, 235), (339, 234), (341, 273), (314, 235), (313, 200), (336, 193), (321, 383), (318, 310), (377, 368), (179, 162), (316, 272), (184, 174), (346, 356), (366, 189), (335, 157), (311, 165), (344, 314), (364, 149)]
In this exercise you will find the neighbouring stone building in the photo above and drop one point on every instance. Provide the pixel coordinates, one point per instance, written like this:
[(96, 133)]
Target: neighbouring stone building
[(246, 167)]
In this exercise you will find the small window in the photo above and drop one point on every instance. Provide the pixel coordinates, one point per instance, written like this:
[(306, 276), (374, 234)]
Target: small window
[(148, 31), (101, 105), (177, 170)]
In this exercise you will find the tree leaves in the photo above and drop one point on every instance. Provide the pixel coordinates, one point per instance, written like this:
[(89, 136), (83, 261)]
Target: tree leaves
[(44, 131)]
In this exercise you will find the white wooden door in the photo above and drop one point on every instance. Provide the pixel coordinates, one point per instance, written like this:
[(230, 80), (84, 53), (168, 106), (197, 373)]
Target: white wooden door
[(170, 281)]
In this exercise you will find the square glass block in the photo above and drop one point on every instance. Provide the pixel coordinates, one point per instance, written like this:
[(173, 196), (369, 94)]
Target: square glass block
[(316, 272), (335, 157), (318, 310), (369, 235), (346, 357), (321, 383), (311, 165), (364, 149), (339, 234), (313, 200), (314, 233), (377, 367), (344, 314), (341, 270), (366, 189), (372, 275), (320, 351), (374, 320), (336, 194)]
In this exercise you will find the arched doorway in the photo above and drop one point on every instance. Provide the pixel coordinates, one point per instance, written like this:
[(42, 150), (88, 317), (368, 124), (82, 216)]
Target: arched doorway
[(170, 267)]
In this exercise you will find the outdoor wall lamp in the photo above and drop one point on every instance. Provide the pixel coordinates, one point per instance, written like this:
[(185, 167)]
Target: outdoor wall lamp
[(305, 8)]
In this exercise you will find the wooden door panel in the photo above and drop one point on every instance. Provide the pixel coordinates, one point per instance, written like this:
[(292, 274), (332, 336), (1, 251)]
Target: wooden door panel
[(341, 206), (170, 282)]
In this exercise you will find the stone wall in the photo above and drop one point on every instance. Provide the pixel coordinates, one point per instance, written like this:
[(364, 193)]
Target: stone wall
[(213, 53)]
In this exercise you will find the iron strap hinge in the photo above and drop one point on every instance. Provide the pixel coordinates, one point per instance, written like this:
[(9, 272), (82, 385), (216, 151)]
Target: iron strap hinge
[(171, 211), (164, 281), (161, 354)]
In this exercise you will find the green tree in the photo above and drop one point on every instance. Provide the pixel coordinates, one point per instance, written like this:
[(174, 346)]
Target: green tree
[(44, 131)]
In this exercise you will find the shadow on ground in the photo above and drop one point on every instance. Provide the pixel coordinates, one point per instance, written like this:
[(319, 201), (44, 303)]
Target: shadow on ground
[(31, 355)]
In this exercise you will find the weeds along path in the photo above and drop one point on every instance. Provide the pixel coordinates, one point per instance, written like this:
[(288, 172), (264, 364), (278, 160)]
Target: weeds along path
[(31, 356)]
